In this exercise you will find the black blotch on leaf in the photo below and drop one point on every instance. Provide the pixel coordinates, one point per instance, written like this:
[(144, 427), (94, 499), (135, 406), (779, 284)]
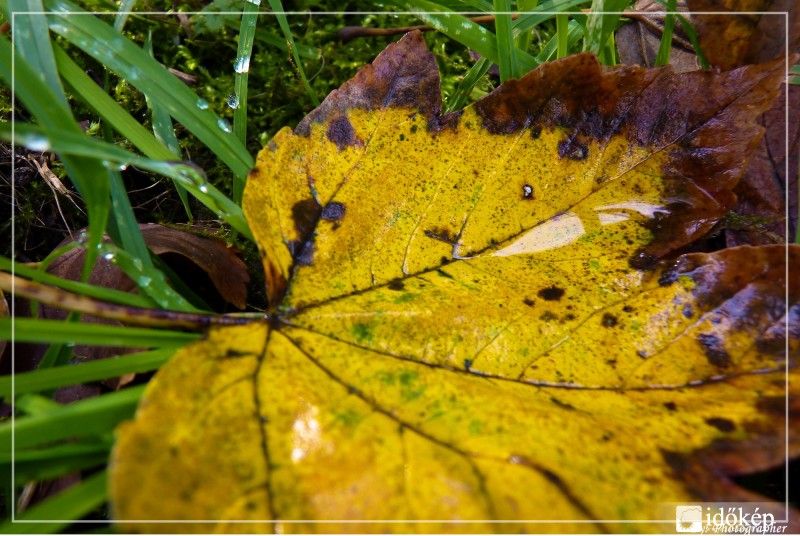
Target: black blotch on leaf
[(723, 425), (714, 350), (536, 132), (609, 320), (641, 353), (688, 312), (529, 302), (333, 211), (551, 293), (467, 363), (305, 214), (628, 309), (670, 406), (306, 256), (396, 284)]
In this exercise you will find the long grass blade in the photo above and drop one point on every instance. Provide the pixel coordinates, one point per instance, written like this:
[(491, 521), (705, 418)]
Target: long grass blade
[(32, 40), (665, 46), (44, 105), (277, 9), (55, 331), (691, 33), (101, 369), (544, 12), (238, 100), (130, 62), (125, 8), (466, 32), (73, 503), (464, 90), (164, 131), (506, 47), (38, 470), (87, 418), (574, 34)]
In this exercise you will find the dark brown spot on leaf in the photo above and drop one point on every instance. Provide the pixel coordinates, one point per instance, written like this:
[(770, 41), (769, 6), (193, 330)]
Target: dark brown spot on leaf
[(714, 349), (551, 293), (723, 425), (529, 302), (609, 320), (441, 234), (670, 406), (396, 284)]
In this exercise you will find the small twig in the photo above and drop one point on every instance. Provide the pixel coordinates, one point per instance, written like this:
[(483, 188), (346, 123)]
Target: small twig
[(138, 316), (348, 33)]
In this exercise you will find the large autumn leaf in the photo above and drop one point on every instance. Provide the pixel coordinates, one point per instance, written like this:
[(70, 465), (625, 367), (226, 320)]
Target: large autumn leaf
[(470, 322)]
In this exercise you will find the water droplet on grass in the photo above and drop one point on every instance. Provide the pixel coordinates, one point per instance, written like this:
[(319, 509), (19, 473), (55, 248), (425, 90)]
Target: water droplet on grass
[(223, 125), (202, 104), (35, 142), (242, 64), (233, 101)]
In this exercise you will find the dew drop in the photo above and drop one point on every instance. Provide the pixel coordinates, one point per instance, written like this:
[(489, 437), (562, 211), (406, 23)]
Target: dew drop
[(527, 191), (254, 2), (223, 125), (202, 104), (242, 64), (123, 167), (109, 256), (34, 142), (203, 188), (233, 101)]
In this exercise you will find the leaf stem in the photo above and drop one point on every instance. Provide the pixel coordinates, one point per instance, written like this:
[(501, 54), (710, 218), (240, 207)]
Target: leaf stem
[(138, 316)]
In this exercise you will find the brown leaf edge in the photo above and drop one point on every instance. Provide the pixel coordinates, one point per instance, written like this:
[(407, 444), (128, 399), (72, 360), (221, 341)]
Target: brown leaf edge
[(706, 119)]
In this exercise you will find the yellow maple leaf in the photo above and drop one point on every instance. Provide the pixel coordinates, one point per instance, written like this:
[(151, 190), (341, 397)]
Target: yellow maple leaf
[(470, 329)]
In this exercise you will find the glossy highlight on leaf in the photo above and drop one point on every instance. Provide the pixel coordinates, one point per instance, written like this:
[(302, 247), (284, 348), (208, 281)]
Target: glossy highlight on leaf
[(471, 321)]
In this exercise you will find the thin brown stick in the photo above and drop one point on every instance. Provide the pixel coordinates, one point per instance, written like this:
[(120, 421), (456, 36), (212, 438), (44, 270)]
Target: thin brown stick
[(348, 33), (138, 316)]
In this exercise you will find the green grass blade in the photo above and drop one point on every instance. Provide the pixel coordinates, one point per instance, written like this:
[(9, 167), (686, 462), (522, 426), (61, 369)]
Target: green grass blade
[(601, 23), (125, 8), (130, 62), (38, 470), (86, 418), (465, 87), (238, 101), (688, 27), (544, 12), (83, 172), (665, 46), (164, 131), (562, 35), (90, 371), (92, 446), (84, 88), (55, 331), (72, 503), (277, 9), (32, 41), (506, 56), (277, 41), (523, 40), (550, 50), (466, 32), (85, 289), (186, 174)]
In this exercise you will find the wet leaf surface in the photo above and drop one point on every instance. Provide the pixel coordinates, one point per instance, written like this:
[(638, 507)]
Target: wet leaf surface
[(638, 40), (475, 316)]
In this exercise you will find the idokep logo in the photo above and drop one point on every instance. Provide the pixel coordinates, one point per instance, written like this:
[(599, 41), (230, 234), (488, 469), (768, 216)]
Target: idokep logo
[(689, 518)]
